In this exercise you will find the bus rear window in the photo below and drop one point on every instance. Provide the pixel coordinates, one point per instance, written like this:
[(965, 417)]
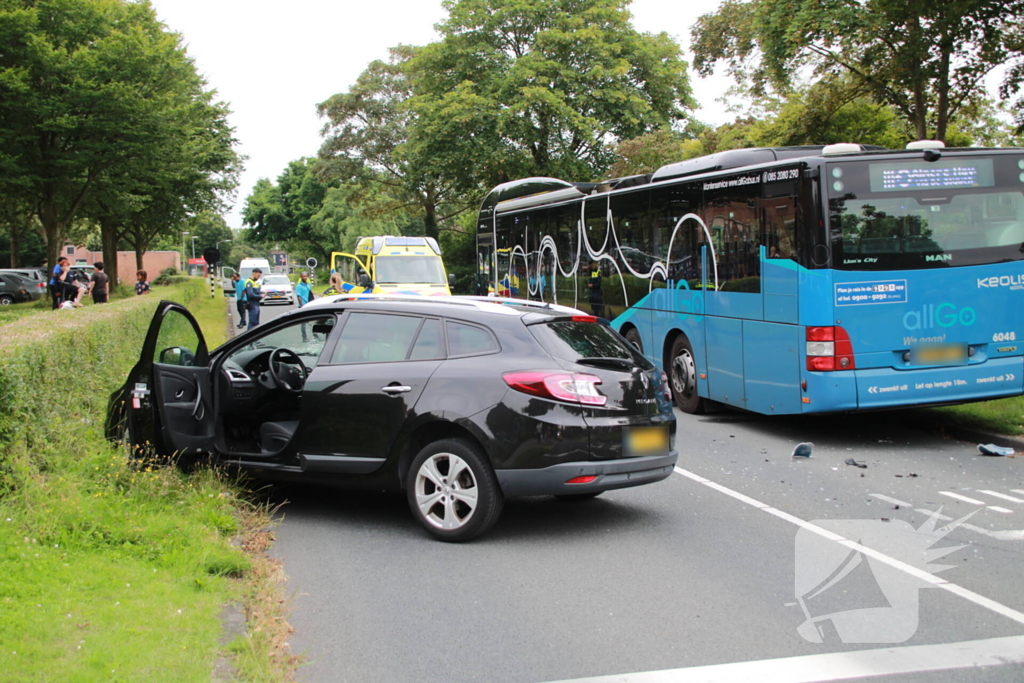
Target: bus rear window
[(907, 215)]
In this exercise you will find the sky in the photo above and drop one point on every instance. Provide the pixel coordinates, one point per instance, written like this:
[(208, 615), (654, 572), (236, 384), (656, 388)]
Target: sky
[(273, 62)]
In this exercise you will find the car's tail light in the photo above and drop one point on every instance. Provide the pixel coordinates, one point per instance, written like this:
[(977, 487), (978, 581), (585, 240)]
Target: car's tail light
[(571, 387), (584, 318), (585, 479), (829, 349), (666, 388)]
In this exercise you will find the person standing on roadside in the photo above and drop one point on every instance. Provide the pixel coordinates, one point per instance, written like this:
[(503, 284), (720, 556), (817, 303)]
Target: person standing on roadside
[(303, 290), (60, 288), (142, 286), (98, 286), (241, 305), (253, 296)]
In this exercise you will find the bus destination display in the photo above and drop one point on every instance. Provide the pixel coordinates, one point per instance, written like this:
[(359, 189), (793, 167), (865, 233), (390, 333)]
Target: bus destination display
[(924, 175)]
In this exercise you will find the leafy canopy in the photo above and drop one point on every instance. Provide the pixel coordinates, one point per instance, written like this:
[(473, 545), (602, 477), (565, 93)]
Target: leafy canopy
[(925, 59)]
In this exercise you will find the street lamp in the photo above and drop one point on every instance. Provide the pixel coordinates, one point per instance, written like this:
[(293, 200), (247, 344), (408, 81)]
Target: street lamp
[(194, 238), (183, 234), (220, 243)]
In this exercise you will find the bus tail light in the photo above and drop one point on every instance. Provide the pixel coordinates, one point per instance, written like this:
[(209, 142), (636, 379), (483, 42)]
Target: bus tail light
[(829, 349)]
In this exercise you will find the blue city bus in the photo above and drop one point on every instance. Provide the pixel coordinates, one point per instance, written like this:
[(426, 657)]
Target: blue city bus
[(788, 280)]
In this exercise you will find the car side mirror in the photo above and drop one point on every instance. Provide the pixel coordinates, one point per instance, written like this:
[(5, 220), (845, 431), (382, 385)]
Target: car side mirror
[(451, 279), (177, 355)]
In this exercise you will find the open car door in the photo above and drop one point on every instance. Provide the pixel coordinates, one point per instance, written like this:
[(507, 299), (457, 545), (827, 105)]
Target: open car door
[(167, 402)]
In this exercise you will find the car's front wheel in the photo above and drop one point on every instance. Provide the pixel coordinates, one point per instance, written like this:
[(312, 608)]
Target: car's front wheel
[(6, 299), (452, 490)]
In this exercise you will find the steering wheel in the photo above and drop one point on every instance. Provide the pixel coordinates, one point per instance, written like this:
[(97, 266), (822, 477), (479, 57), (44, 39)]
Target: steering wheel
[(281, 379)]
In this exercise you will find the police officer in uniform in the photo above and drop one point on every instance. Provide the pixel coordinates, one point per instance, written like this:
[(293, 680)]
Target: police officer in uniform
[(253, 295), (596, 295)]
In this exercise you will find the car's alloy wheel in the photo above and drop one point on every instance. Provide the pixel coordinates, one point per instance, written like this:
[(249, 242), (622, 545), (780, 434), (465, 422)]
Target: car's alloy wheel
[(684, 377), (6, 299), (453, 491)]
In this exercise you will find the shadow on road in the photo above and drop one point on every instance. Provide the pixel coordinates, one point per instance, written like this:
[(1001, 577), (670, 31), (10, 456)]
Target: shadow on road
[(522, 519)]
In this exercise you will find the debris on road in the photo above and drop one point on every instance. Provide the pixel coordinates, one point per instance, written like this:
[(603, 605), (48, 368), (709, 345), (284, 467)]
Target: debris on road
[(851, 461), (803, 450), (992, 449)]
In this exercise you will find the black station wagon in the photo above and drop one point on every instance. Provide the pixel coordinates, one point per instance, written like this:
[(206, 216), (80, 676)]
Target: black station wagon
[(459, 401)]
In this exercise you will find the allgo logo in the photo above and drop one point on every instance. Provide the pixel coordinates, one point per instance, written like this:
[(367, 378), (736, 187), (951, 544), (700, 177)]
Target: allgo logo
[(931, 316)]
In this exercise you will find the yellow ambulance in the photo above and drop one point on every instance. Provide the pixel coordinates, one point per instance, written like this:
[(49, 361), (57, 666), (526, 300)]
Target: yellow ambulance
[(389, 264)]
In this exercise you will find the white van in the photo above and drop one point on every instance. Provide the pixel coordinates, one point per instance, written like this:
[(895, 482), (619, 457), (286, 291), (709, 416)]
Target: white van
[(247, 265)]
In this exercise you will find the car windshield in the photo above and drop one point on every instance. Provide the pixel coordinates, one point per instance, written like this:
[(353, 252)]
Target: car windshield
[(276, 280), (417, 269), (576, 341)]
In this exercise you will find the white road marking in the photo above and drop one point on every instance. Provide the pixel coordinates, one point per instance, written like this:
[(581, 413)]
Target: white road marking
[(1014, 535), (928, 578), (1001, 495), (996, 508), (1017, 490), (840, 665), (887, 499), (963, 498)]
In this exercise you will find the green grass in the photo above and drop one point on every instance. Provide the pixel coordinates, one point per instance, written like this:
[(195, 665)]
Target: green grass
[(109, 571), (1002, 416)]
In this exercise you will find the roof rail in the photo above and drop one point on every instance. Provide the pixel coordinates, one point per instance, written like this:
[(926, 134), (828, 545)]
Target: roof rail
[(525, 303)]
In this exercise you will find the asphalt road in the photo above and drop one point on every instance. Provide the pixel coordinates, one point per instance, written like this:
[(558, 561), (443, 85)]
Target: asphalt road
[(697, 571)]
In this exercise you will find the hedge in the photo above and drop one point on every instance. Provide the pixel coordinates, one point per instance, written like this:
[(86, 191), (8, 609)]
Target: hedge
[(58, 369)]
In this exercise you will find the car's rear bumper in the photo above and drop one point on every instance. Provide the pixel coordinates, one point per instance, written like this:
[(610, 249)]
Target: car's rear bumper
[(611, 474)]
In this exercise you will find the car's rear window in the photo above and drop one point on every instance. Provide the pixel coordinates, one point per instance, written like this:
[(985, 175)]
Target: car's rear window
[(580, 340)]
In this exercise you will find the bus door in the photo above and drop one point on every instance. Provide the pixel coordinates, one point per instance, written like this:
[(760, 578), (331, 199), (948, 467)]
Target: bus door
[(773, 387), (732, 281)]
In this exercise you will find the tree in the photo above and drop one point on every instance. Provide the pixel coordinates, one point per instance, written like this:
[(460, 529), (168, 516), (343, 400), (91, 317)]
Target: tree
[(211, 228), (540, 87), (927, 60), (367, 140), (94, 92), (282, 213)]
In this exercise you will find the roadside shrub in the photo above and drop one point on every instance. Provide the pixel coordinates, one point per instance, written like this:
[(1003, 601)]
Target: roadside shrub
[(169, 276)]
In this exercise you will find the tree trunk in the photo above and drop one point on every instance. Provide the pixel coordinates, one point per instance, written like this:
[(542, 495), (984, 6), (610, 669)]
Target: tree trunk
[(430, 221), (138, 258), (942, 115), (109, 236)]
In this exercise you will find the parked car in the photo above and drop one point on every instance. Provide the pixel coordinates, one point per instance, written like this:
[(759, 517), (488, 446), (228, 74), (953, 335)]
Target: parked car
[(15, 289), (459, 401), (277, 288), (35, 274)]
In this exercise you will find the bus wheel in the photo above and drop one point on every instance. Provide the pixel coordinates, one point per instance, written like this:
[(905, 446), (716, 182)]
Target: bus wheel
[(633, 337), (684, 377)]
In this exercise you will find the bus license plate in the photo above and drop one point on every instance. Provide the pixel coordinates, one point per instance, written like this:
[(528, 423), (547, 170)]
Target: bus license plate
[(940, 354), (645, 440)]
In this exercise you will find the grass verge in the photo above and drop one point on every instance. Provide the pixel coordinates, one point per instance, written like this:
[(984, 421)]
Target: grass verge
[(1002, 416), (110, 572)]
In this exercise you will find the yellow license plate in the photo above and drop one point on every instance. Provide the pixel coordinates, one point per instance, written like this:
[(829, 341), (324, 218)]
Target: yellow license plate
[(942, 354), (645, 440)]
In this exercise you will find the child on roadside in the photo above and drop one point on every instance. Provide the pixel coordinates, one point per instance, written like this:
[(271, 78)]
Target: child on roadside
[(142, 286)]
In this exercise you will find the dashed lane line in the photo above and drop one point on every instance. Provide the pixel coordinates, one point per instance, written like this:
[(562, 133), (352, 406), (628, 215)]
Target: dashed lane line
[(965, 499), (1010, 535), (996, 494), (925, 576), (887, 499), (840, 665)]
